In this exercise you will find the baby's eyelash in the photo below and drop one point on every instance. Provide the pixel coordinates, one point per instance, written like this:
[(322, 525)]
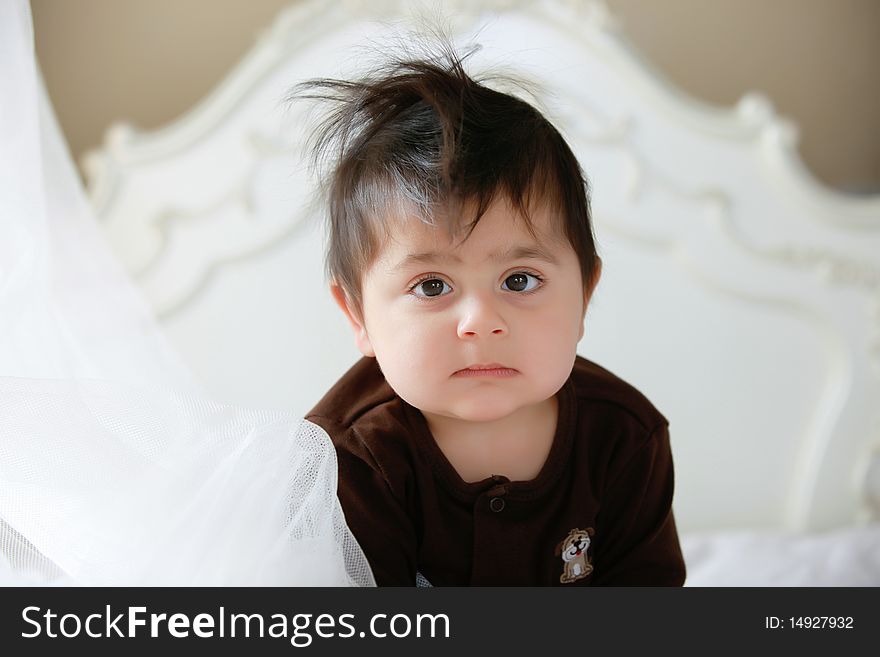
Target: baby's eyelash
[(434, 276), (541, 281), (525, 271), (422, 279)]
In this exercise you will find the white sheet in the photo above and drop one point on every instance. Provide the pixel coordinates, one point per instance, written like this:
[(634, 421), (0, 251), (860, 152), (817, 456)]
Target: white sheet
[(845, 557)]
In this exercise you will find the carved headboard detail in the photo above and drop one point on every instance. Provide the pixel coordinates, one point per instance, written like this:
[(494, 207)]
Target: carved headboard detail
[(741, 296)]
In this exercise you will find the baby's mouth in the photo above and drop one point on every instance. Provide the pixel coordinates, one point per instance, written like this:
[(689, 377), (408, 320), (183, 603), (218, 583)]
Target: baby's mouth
[(486, 369)]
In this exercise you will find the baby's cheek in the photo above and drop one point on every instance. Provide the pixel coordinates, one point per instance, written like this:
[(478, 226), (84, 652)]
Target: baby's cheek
[(558, 333), (554, 355), (407, 364)]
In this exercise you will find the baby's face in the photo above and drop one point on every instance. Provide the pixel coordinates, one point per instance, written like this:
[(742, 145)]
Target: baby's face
[(433, 309)]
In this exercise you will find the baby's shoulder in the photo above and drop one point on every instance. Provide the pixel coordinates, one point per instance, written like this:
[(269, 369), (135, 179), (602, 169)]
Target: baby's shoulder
[(599, 390), (616, 424), (365, 419)]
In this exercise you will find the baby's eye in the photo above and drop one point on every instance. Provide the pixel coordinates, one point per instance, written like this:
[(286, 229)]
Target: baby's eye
[(431, 287), (521, 282)]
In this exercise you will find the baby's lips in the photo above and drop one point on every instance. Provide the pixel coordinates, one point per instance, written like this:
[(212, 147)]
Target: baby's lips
[(482, 370), (486, 366)]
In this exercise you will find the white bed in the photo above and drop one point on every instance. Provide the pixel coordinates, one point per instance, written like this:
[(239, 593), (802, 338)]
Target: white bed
[(741, 296)]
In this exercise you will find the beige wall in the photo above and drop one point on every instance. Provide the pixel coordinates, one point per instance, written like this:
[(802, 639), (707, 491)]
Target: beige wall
[(147, 61)]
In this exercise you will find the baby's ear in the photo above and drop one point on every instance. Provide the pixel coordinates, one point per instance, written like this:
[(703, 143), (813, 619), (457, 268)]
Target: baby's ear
[(594, 281), (588, 292), (361, 339)]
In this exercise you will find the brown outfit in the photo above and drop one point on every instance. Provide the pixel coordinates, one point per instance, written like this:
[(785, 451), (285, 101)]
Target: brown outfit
[(599, 511)]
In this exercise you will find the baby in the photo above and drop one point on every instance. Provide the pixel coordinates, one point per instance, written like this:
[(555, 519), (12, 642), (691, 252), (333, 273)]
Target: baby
[(475, 446)]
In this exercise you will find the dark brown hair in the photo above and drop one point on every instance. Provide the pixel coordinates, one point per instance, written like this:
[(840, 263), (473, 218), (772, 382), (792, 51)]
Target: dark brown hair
[(419, 137)]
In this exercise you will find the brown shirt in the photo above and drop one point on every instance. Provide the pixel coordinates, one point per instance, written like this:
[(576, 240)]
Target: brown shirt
[(598, 513)]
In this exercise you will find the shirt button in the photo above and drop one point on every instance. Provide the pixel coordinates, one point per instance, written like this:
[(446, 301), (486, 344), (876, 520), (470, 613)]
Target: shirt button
[(496, 504)]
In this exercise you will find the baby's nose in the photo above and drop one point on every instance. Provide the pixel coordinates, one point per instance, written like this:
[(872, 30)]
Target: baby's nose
[(467, 333), (481, 319)]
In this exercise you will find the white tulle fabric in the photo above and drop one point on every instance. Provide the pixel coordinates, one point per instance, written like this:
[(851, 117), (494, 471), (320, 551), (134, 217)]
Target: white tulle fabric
[(115, 469)]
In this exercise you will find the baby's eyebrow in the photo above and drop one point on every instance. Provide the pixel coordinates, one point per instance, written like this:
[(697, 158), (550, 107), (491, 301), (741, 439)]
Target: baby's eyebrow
[(534, 252), (525, 253)]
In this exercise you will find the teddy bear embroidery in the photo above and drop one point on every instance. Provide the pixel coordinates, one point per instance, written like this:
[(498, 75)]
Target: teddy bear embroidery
[(573, 550)]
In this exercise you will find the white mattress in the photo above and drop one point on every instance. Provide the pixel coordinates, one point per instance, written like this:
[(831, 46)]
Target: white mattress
[(845, 557)]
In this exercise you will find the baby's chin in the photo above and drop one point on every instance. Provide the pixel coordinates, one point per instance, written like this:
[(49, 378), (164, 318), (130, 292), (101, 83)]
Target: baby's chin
[(478, 408)]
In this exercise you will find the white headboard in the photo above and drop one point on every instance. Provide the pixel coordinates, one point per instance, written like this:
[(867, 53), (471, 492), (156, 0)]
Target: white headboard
[(738, 294)]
